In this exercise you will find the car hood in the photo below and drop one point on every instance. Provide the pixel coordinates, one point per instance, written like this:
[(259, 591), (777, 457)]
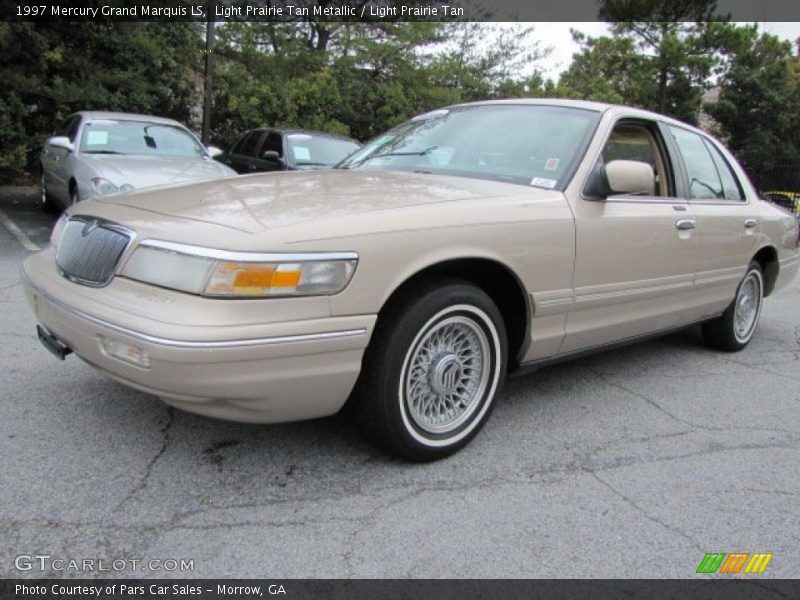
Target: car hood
[(150, 171), (272, 201)]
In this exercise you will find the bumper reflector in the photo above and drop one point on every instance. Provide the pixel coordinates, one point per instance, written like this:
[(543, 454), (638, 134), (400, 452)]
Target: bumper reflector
[(125, 352)]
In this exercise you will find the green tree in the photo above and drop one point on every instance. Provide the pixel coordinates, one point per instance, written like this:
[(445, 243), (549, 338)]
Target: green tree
[(52, 69), (758, 110), (366, 77), (660, 55), (487, 60), (609, 69)]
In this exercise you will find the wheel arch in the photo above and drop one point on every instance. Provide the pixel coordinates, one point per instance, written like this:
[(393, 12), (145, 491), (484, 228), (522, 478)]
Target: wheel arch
[(499, 281), (767, 257)]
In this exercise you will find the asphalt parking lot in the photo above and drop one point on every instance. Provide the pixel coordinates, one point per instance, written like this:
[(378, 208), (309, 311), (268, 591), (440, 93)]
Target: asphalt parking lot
[(633, 463)]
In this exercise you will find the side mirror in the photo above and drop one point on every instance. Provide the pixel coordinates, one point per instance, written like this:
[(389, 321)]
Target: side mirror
[(630, 177), (213, 151), (61, 141), (271, 155)]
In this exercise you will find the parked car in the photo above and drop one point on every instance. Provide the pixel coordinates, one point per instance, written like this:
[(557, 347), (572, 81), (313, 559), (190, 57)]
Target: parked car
[(95, 154), (788, 200), (286, 150), (468, 243)]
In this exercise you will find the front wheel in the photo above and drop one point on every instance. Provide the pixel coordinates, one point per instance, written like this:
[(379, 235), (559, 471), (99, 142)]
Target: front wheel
[(48, 205), (433, 370), (735, 328)]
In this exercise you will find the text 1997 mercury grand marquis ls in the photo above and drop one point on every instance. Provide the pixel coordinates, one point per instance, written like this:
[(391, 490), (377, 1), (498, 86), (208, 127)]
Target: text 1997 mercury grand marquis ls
[(466, 243)]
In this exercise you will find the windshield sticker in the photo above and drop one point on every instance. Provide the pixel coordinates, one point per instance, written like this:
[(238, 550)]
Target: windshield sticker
[(299, 136), (301, 153), (97, 138), (544, 182), (551, 164)]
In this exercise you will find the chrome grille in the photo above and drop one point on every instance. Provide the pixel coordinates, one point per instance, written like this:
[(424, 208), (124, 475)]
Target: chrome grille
[(90, 249)]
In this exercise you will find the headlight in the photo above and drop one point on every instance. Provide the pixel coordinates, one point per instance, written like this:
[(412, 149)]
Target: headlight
[(103, 187), (58, 230), (209, 273), (169, 269), (127, 188)]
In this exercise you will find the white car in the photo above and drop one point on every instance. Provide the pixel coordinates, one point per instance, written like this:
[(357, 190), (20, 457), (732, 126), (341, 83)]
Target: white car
[(100, 153)]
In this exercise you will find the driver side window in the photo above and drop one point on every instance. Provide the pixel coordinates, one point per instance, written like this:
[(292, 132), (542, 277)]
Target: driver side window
[(632, 140), (273, 142), (69, 128)]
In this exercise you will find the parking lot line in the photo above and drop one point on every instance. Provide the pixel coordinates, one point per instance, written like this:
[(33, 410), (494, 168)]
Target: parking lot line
[(21, 236)]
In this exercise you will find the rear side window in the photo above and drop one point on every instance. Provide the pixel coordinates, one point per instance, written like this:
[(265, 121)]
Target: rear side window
[(248, 146), (730, 185), (237, 146), (704, 179)]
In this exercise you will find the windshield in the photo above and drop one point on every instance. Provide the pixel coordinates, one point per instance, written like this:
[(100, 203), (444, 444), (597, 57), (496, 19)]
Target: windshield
[(526, 144), (307, 149), (140, 138)]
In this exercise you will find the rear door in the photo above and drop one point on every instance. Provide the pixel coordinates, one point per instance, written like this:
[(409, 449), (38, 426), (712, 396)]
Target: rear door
[(228, 157), (727, 223)]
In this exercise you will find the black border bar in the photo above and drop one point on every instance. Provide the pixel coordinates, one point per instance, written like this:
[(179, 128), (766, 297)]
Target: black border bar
[(701, 588), (381, 10)]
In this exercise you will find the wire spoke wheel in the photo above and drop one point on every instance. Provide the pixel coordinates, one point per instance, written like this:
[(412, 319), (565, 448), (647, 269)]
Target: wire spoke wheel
[(734, 329), (447, 373), (432, 373), (747, 306)]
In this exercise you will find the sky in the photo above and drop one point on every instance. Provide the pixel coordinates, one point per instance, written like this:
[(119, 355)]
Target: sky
[(557, 36)]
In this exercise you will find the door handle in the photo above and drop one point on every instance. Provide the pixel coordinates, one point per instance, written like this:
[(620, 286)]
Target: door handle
[(750, 223), (685, 224)]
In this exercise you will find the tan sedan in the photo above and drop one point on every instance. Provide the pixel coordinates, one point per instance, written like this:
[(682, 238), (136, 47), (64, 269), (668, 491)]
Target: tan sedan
[(470, 242)]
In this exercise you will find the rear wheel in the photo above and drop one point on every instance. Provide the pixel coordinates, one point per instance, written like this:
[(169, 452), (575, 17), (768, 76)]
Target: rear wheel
[(735, 328), (433, 370)]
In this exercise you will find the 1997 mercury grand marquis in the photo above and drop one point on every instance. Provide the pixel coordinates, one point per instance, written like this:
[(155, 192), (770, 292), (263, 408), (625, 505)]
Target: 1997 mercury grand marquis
[(466, 243)]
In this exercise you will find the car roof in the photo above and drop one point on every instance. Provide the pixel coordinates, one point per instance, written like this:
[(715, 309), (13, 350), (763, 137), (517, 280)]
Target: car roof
[(292, 131), (121, 116), (587, 105), (584, 104)]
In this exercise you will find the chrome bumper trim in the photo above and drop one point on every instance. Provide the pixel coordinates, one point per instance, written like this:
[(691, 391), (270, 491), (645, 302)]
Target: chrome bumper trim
[(208, 345)]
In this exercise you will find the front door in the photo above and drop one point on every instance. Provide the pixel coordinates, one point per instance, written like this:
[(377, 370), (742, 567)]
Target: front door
[(57, 161), (635, 255)]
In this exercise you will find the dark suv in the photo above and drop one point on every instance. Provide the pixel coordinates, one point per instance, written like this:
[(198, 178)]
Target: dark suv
[(286, 149)]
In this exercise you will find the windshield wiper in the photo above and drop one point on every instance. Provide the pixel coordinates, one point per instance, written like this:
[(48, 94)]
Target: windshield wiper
[(415, 153), (101, 152), (386, 154)]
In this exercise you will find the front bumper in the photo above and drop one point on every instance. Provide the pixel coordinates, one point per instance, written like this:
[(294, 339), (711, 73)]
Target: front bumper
[(279, 370)]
